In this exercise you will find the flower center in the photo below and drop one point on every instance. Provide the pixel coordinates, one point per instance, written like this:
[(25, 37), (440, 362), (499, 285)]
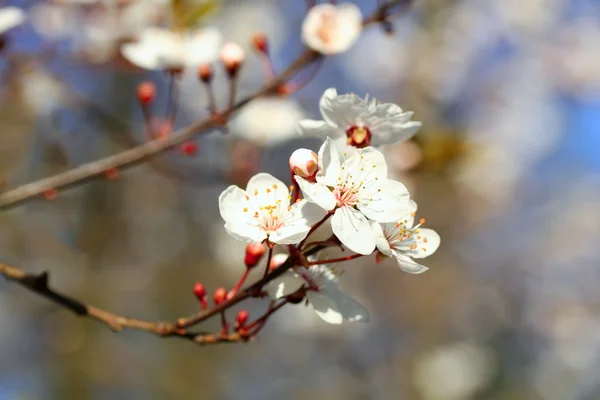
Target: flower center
[(346, 196), (359, 136)]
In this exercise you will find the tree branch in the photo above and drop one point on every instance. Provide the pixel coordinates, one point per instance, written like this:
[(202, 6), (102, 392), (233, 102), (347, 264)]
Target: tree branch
[(157, 146)]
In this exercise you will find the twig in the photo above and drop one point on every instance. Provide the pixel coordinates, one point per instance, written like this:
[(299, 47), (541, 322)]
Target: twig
[(154, 147)]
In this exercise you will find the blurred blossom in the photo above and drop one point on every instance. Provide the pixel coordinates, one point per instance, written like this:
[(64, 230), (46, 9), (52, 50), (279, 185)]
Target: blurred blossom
[(11, 17), (454, 372), (526, 19), (576, 334), (53, 21), (267, 120), (331, 29), (41, 92)]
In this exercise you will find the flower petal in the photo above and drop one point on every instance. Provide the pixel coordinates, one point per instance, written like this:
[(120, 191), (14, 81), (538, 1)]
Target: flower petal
[(343, 111), (350, 309), (353, 230), (317, 193), (381, 241), (311, 127), (386, 201), (232, 202), (331, 29), (285, 285), (427, 241), (141, 55), (329, 164), (407, 265), (325, 308), (11, 17), (265, 189), (202, 47), (245, 232)]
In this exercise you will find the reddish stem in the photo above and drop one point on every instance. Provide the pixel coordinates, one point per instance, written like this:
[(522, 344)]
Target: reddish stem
[(336, 260), (269, 256), (315, 227), (239, 284), (224, 324)]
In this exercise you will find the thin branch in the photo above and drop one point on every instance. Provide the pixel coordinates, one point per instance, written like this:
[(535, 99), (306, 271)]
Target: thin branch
[(154, 147)]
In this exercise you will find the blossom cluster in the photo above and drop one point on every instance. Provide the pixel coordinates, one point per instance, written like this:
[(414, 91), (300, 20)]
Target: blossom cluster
[(346, 185)]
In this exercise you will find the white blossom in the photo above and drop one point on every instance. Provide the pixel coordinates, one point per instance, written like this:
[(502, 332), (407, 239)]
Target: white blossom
[(10, 17), (263, 211), (351, 120), (159, 48), (404, 241), (323, 294), (357, 191), (331, 29)]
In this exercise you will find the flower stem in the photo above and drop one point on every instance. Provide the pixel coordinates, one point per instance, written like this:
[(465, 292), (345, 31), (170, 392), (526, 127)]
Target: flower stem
[(239, 284), (315, 227), (336, 260), (269, 256)]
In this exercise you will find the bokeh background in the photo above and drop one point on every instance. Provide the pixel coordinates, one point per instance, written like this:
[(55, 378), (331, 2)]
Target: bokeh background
[(505, 168)]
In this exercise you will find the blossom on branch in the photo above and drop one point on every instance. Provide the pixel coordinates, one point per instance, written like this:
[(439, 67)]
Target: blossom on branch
[(351, 120), (331, 29), (404, 241), (263, 211), (159, 48), (322, 292), (358, 190)]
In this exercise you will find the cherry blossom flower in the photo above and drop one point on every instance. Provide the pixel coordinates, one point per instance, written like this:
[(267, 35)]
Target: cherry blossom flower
[(350, 120), (358, 190), (404, 241), (322, 292), (10, 17), (159, 48), (331, 29), (263, 211)]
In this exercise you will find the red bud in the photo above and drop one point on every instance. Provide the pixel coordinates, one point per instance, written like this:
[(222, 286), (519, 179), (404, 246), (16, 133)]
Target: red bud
[(199, 290), (189, 148), (219, 295), (241, 319), (146, 92), (260, 43), (50, 194), (205, 73), (254, 252)]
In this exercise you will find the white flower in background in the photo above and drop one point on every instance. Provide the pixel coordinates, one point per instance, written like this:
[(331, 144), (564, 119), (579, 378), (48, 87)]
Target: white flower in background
[(350, 120), (359, 191), (404, 241), (11, 17), (267, 120), (322, 292), (331, 29), (263, 211), (159, 48)]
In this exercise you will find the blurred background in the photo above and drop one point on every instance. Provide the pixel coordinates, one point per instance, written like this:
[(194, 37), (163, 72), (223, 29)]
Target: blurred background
[(505, 168)]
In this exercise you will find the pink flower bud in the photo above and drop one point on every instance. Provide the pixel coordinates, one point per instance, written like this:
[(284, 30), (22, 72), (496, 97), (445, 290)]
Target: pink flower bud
[(261, 43), (277, 260), (232, 57), (254, 253), (205, 73), (219, 295), (304, 163), (146, 92)]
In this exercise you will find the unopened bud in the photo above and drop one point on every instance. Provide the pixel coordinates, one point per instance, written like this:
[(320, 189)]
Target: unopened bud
[(277, 260), (50, 194), (304, 163), (189, 148), (146, 92), (205, 73), (260, 43), (219, 295), (111, 174), (199, 290), (232, 56), (254, 253), (241, 318)]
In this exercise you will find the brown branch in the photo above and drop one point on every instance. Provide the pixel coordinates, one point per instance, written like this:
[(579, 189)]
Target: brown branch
[(154, 147)]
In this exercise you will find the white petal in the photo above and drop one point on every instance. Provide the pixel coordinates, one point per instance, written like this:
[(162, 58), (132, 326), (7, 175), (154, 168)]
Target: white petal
[(285, 285), (232, 202), (141, 55), (325, 308), (244, 232), (317, 193), (353, 230), (203, 47), (407, 265), (266, 189), (428, 242), (350, 309), (11, 17), (381, 241), (343, 111), (386, 201), (329, 164), (311, 127)]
